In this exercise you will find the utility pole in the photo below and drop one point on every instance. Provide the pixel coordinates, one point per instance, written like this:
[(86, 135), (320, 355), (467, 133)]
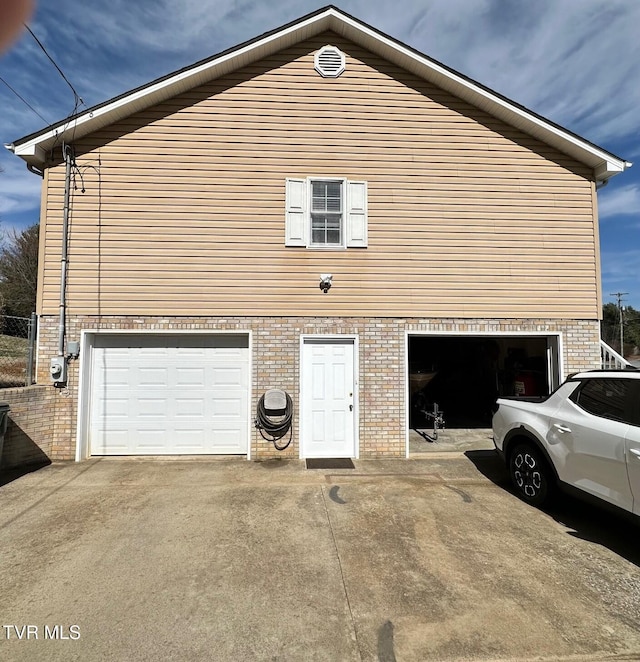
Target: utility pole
[(619, 296)]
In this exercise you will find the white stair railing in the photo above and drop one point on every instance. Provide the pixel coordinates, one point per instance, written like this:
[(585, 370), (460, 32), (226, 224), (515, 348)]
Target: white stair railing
[(610, 359)]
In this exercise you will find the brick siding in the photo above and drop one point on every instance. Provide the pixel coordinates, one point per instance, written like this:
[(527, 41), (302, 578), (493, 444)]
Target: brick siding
[(31, 432), (276, 363)]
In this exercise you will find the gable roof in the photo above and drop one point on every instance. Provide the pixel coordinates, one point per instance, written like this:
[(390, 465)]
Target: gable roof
[(34, 147)]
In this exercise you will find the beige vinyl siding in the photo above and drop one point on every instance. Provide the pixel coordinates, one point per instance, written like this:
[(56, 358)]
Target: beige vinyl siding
[(184, 204)]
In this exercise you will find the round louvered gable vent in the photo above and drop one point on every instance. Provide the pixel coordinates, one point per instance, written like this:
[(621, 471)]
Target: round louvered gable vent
[(330, 62)]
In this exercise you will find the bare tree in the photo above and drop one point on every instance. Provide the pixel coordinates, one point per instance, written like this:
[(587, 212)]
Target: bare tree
[(19, 271)]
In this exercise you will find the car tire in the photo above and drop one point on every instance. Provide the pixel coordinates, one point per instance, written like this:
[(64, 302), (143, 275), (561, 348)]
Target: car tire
[(531, 474)]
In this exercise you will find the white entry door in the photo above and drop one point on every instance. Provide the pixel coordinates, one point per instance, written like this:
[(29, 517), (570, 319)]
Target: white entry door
[(328, 405)]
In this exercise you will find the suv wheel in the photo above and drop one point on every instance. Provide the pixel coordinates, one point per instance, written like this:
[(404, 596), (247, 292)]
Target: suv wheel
[(531, 474)]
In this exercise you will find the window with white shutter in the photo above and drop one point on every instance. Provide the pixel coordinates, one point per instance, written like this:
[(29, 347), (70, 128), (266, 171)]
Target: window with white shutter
[(296, 216), (326, 213), (356, 216)]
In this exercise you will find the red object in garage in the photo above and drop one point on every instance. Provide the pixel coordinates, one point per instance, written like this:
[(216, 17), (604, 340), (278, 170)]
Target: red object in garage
[(526, 384)]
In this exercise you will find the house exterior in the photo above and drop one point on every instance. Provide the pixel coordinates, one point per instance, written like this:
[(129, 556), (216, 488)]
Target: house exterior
[(205, 213)]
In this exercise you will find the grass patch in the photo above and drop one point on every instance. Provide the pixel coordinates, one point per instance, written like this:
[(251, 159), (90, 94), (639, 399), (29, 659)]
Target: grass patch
[(13, 361)]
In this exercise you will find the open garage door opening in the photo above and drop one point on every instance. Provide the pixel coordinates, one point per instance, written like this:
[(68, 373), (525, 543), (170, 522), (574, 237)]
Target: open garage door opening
[(465, 375)]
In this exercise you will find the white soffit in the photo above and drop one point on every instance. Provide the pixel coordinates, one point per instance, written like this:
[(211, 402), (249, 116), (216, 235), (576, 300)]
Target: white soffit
[(33, 148)]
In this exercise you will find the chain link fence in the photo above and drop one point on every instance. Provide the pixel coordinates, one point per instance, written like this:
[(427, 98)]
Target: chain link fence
[(17, 350)]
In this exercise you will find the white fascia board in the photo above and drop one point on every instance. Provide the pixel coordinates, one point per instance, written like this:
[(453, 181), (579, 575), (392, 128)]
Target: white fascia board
[(608, 168), (31, 152)]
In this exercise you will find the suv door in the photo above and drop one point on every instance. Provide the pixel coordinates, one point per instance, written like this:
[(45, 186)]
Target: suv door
[(632, 445), (591, 429)]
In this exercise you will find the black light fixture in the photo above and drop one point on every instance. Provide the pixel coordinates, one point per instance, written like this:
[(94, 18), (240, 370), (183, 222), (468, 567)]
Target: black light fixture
[(325, 282)]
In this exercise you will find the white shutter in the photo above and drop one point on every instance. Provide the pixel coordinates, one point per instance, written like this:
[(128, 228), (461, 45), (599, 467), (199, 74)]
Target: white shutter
[(356, 216), (296, 215)]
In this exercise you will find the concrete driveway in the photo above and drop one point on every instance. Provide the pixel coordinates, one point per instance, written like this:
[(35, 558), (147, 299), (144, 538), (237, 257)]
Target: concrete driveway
[(429, 559)]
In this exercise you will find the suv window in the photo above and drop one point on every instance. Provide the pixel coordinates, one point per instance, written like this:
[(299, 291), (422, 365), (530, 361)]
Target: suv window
[(634, 402), (606, 398)]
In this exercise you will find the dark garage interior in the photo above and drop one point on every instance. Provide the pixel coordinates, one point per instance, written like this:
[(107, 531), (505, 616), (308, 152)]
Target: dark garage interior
[(465, 374)]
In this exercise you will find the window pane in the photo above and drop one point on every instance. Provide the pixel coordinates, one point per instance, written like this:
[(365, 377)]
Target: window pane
[(326, 196), (333, 236), (325, 229), (634, 402), (604, 398), (326, 213)]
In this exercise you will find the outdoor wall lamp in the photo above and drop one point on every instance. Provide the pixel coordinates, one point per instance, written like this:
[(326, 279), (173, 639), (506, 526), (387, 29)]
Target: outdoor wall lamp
[(325, 282)]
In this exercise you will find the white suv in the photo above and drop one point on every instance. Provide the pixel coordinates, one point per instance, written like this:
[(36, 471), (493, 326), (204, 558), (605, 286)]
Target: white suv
[(585, 435)]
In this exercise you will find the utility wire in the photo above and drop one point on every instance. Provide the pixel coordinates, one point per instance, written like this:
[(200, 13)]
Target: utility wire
[(24, 101), (77, 97)]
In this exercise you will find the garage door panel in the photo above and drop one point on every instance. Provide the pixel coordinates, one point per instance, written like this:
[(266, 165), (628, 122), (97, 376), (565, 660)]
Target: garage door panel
[(118, 442), (228, 376), (155, 353), (227, 440), (193, 408), (149, 440), (155, 408), (231, 354), (114, 408), (185, 377), (119, 377), (190, 352), (195, 402), (188, 441), (147, 377), (228, 408)]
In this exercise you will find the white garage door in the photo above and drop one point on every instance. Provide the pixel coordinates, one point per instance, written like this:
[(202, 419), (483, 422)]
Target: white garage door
[(169, 394)]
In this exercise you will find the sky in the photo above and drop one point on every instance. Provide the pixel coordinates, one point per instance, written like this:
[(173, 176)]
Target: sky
[(575, 62)]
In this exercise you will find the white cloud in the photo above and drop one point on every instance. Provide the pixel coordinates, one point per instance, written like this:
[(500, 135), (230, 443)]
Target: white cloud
[(623, 201), (620, 271), (19, 189), (575, 62)]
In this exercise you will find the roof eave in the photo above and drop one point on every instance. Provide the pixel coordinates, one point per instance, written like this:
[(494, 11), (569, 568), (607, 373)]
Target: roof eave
[(34, 148), (607, 169), (603, 163)]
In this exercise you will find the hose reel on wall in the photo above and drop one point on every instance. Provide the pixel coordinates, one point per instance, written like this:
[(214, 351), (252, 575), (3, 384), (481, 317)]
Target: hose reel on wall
[(274, 417)]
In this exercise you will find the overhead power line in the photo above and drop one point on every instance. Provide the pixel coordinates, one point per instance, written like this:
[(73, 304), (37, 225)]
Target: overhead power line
[(77, 98), (24, 101)]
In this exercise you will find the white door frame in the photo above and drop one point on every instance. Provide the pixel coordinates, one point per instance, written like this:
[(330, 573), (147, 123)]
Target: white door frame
[(347, 338), (471, 334), (87, 338)]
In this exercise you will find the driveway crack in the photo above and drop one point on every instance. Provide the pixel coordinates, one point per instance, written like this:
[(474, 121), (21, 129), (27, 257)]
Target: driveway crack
[(344, 584)]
